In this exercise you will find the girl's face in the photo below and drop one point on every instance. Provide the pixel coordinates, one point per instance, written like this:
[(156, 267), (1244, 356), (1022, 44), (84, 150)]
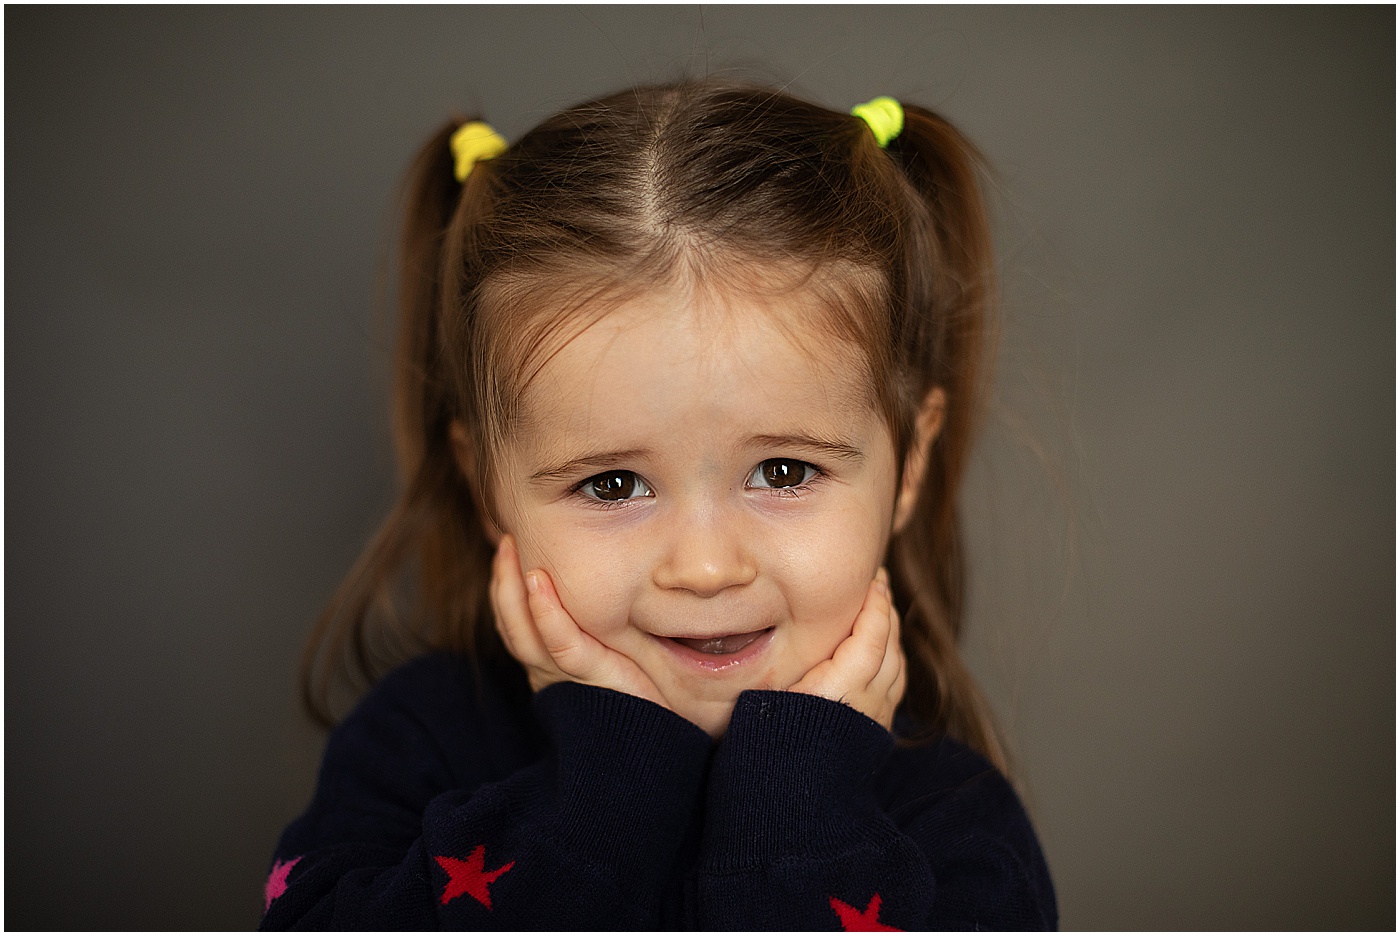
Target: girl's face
[(709, 498)]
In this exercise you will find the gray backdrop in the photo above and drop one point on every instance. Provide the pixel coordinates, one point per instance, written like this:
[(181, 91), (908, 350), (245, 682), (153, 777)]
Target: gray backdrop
[(1182, 514)]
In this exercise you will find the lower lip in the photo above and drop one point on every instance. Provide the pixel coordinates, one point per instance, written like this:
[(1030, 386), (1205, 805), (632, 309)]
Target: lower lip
[(717, 662)]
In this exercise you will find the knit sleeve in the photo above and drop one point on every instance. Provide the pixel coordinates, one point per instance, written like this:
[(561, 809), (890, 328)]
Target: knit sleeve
[(797, 836), (581, 839)]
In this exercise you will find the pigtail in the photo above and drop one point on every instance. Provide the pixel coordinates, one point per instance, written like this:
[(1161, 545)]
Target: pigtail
[(364, 628), (950, 297)]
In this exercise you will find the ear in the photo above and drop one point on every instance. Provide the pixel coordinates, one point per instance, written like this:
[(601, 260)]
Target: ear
[(465, 456), (927, 425)]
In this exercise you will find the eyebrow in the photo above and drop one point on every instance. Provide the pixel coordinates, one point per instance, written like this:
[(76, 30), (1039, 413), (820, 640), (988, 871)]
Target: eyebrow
[(832, 448)]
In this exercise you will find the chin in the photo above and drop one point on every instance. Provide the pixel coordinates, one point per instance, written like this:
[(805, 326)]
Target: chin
[(712, 717)]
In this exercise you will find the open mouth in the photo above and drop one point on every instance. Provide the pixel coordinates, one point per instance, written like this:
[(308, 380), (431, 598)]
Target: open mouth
[(720, 646), (721, 651)]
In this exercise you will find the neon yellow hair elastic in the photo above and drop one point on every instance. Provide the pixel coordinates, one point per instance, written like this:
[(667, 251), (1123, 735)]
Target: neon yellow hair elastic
[(884, 116), (472, 143)]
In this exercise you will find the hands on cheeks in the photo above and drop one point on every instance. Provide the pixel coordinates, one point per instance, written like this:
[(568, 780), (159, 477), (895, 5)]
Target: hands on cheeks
[(866, 671), (542, 636)]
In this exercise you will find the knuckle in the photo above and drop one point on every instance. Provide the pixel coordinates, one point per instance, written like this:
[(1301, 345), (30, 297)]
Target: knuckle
[(560, 648)]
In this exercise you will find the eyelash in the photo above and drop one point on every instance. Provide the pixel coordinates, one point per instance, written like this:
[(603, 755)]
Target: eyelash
[(599, 503), (811, 474)]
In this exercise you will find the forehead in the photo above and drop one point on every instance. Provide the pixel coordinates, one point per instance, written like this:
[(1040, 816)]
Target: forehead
[(676, 358)]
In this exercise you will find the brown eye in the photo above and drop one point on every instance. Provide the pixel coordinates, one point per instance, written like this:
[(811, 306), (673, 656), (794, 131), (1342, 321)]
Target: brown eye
[(781, 473), (615, 486)]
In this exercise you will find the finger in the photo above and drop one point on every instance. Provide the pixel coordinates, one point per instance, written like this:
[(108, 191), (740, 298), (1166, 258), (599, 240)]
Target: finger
[(896, 691), (884, 678), (861, 654), (572, 650), (893, 662), (816, 680), (901, 681), (494, 590), (510, 602)]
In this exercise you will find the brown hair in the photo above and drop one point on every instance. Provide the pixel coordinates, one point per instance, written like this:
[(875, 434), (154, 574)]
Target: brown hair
[(626, 189)]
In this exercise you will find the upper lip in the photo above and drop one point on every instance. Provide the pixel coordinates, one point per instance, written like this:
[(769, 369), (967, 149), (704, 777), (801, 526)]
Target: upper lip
[(713, 634), (710, 637)]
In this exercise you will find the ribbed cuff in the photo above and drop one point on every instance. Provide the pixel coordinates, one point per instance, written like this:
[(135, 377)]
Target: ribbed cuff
[(791, 777), (629, 772)]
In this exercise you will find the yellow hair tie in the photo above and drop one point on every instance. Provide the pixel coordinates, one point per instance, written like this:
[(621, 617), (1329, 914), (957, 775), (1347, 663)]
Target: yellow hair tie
[(472, 143), (884, 116)]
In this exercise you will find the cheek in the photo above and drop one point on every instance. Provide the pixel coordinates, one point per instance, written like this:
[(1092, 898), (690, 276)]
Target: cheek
[(828, 605), (591, 579), (826, 576)]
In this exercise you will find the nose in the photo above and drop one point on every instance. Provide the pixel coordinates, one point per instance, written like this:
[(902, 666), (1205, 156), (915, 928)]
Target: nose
[(706, 554)]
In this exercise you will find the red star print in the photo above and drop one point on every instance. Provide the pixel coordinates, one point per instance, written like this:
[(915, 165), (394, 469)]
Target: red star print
[(470, 876), (861, 921), (276, 884)]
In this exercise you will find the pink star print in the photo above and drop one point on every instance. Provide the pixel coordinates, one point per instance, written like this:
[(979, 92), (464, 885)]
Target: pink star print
[(470, 876), (276, 884), (861, 921)]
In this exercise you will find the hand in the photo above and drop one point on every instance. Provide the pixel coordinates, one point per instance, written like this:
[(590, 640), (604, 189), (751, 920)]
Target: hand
[(540, 634), (867, 669)]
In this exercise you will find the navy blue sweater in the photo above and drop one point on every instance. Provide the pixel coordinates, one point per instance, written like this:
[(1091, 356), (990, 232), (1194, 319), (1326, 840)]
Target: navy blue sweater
[(447, 800)]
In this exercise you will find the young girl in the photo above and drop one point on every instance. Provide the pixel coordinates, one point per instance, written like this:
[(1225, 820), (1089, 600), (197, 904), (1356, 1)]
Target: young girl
[(685, 392)]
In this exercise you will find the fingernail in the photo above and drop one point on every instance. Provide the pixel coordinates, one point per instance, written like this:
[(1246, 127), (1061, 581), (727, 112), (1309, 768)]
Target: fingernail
[(532, 582)]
